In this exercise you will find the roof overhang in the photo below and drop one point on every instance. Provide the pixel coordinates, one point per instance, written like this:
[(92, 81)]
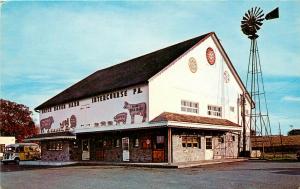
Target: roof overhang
[(50, 138), (202, 126), (119, 127), (152, 125)]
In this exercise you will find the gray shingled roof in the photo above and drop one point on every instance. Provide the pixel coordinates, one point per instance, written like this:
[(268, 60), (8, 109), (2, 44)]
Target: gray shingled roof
[(132, 72)]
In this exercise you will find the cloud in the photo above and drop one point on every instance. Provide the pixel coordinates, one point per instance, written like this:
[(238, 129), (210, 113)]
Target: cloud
[(291, 99)]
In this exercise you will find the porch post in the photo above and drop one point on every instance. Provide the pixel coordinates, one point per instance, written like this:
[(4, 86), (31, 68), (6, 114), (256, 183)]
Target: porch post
[(169, 146)]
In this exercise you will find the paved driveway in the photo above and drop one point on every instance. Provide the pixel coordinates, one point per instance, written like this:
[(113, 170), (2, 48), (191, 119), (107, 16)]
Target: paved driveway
[(234, 175)]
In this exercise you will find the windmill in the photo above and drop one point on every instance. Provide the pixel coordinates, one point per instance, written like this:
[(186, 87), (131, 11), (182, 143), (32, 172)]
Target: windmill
[(259, 121)]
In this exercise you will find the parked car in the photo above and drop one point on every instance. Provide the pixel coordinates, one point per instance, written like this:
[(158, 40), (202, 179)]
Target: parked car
[(21, 151)]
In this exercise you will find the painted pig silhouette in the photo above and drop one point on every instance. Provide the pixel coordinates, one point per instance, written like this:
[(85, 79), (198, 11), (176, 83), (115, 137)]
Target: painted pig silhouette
[(136, 109), (120, 118), (46, 123)]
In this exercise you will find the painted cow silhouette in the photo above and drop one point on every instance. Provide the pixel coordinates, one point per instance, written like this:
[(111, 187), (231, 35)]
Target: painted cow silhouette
[(120, 118), (136, 109), (46, 123)]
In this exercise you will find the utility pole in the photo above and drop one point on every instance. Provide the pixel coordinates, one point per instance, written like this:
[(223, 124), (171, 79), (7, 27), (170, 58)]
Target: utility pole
[(243, 122), (281, 145)]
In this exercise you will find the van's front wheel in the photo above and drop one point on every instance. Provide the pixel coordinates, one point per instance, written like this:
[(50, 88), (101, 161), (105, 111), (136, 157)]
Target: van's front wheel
[(17, 161)]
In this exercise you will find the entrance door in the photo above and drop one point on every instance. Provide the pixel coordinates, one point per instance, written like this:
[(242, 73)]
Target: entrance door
[(99, 150), (158, 153), (125, 147), (86, 149), (209, 154)]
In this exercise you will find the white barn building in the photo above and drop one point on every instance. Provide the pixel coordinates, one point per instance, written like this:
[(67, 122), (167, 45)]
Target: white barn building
[(178, 104)]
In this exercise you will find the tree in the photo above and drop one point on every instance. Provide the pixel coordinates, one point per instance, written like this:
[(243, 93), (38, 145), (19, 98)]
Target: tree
[(15, 120), (294, 132)]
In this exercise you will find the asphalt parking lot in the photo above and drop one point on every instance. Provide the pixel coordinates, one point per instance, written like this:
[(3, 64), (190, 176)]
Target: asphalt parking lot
[(234, 175)]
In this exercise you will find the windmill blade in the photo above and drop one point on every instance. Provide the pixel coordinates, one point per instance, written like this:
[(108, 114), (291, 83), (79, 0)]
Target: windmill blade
[(244, 26), (259, 23), (260, 15), (260, 12), (244, 18), (259, 20), (249, 13), (243, 22), (255, 11), (273, 14), (257, 27)]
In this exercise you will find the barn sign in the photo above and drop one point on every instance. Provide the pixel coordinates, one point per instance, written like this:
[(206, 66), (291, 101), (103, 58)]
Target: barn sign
[(118, 108)]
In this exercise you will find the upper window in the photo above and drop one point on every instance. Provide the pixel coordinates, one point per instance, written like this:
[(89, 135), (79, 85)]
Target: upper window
[(46, 110), (232, 108), (73, 104), (59, 107), (188, 106), (214, 110)]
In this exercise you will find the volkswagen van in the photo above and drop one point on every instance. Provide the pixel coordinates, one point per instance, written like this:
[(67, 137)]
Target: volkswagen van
[(20, 152)]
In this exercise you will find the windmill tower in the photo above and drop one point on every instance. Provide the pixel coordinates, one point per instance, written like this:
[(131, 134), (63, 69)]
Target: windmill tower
[(259, 121)]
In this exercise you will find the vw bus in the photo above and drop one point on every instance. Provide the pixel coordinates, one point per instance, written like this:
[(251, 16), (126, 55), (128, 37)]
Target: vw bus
[(21, 151)]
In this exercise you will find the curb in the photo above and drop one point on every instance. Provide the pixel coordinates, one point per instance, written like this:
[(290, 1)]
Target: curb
[(148, 165)]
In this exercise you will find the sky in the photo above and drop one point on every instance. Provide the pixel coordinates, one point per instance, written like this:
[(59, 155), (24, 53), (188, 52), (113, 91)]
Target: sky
[(46, 47)]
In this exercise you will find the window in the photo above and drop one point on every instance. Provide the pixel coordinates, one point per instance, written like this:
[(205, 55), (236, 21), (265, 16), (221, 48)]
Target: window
[(20, 149), (160, 141), (59, 107), (46, 110), (136, 142), (233, 138), (57, 146), (231, 108), (187, 106), (146, 143), (2, 148), (117, 143), (107, 143), (208, 143), (191, 141), (221, 139), (214, 110), (73, 104)]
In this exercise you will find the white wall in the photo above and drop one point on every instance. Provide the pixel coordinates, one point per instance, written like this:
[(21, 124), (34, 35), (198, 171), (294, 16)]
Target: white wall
[(88, 113), (206, 86)]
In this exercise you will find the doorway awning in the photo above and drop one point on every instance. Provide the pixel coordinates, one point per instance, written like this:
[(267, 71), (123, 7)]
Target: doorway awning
[(52, 136)]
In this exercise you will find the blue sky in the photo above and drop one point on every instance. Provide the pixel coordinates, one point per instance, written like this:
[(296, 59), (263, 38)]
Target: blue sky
[(47, 46)]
